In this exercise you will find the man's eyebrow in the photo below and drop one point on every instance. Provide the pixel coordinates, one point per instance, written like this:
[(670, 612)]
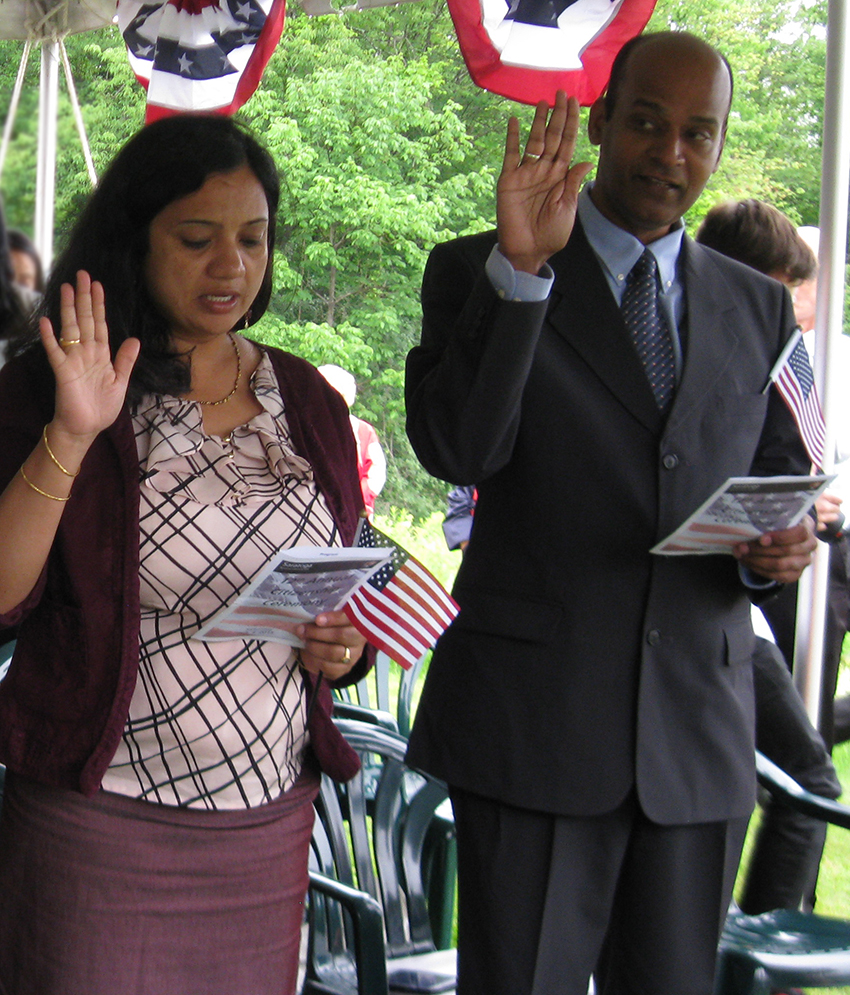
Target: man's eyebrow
[(642, 103)]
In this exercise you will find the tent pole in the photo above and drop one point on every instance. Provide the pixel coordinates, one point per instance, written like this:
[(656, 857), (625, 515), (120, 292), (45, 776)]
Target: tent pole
[(45, 183), (13, 104), (829, 320), (78, 114)]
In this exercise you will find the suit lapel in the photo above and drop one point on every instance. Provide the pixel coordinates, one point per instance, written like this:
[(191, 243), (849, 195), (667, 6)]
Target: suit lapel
[(584, 312), (712, 340)]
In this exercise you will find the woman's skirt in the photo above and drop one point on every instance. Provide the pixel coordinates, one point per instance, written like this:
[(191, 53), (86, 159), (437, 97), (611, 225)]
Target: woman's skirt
[(114, 896)]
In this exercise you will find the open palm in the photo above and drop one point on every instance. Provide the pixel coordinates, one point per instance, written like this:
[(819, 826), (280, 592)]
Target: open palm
[(537, 192), (90, 387)]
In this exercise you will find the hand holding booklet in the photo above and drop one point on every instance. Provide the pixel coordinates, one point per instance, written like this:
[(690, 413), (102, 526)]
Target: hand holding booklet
[(742, 509), (390, 598), (294, 587)]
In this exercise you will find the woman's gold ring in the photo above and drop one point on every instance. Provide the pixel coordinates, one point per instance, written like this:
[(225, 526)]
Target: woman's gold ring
[(66, 342), (346, 656)]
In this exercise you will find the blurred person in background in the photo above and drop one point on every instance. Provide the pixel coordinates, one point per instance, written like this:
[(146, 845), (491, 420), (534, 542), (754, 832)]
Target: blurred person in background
[(371, 462), (26, 262), (15, 301), (784, 863)]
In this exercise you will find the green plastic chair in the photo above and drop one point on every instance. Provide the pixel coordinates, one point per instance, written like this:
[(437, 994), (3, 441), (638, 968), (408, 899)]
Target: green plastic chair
[(785, 948), (369, 924), (371, 700), (373, 694)]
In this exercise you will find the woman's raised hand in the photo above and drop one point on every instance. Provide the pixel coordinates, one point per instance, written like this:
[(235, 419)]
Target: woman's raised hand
[(90, 388)]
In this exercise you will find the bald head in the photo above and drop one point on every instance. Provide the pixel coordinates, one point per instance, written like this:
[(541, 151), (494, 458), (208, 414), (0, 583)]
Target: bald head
[(660, 131), (668, 41)]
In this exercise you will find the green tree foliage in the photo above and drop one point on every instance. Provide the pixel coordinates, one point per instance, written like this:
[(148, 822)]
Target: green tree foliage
[(377, 166), (113, 109), (386, 147), (777, 54)]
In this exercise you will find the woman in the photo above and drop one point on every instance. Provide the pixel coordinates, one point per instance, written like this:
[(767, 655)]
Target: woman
[(15, 301), (26, 262), (157, 813)]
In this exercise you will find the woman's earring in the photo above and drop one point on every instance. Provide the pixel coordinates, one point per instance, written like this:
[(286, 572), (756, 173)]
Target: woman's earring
[(246, 321)]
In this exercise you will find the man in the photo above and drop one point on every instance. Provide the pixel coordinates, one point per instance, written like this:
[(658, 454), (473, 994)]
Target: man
[(591, 706)]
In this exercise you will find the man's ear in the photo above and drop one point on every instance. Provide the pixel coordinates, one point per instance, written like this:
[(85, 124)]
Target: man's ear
[(596, 121), (720, 151)]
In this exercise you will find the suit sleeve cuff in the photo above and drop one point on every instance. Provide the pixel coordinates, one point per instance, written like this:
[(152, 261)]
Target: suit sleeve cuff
[(512, 285), (753, 582)]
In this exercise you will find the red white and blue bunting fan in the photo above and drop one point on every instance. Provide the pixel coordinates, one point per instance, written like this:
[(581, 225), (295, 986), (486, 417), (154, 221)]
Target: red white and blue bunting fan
[(199, 56), (528, 49)]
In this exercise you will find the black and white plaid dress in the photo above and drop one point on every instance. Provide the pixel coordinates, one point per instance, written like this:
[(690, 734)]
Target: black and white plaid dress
[(215, 725)]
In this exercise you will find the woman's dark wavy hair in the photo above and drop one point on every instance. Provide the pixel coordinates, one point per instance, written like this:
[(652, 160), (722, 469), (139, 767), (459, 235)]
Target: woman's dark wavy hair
[(166, 160), (759, 235)]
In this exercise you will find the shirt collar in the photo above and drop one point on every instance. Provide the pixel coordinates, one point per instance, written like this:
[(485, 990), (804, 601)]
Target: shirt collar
[(618, 251)]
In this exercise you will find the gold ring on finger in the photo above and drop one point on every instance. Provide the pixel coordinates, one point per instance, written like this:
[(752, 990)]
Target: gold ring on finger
[(66, 342), (346, 656), (531, 155)]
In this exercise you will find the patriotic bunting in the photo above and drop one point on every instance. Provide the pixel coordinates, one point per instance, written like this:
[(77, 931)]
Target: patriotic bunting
[(528, 49), (402, 609), (199, 56)]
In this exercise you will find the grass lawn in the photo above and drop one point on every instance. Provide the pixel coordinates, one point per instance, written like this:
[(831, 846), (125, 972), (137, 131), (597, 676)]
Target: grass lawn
[(834, 880)]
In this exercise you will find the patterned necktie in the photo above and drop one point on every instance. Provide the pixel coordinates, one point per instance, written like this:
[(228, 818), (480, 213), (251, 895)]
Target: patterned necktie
[(648, 328)]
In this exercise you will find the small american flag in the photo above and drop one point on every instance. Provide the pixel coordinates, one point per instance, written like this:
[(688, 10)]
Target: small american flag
[(796, 383), (402, 609), (199, 56)]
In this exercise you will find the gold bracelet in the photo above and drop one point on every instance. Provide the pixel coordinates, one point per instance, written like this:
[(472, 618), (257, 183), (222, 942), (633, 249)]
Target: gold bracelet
[(38, 490), (52, 455)]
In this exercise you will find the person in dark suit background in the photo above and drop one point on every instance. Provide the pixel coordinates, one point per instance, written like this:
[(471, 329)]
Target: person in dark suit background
[(591, 706), (783, 864), (460, 509)]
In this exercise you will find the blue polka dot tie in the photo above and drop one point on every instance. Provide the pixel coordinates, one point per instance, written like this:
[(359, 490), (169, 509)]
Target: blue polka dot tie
[(649, 329)]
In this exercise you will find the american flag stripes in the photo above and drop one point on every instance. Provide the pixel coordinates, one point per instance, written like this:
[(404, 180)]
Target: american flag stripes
[(402, 609), (796, 383), (199, 56)]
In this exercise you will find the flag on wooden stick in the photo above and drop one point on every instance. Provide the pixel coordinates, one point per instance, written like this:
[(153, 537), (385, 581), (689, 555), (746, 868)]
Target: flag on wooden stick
[(402, 609), (795, 381)]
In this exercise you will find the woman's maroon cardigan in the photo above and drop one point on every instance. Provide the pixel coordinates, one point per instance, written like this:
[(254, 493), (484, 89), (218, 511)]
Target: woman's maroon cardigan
[(65, 699)]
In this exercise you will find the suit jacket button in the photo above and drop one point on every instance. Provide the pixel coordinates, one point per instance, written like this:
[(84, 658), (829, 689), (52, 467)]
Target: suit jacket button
[(670, 461), (653, 637)]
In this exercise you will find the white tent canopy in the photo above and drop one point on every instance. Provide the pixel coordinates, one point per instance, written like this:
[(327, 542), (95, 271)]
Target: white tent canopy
[(51, 19), (46, 23)]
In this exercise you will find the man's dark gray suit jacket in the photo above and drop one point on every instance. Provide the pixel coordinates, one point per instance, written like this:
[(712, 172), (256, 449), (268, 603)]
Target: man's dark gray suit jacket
[(580, 665)]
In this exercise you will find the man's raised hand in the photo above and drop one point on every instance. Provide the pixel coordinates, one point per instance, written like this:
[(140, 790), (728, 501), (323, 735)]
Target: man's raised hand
[(537, 191)]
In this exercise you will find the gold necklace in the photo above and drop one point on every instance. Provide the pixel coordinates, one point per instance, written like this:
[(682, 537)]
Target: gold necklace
[(224, 400)]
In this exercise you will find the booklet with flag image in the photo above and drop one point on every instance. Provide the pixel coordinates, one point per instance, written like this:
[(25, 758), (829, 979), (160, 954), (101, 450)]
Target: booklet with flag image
[(389, 596)]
